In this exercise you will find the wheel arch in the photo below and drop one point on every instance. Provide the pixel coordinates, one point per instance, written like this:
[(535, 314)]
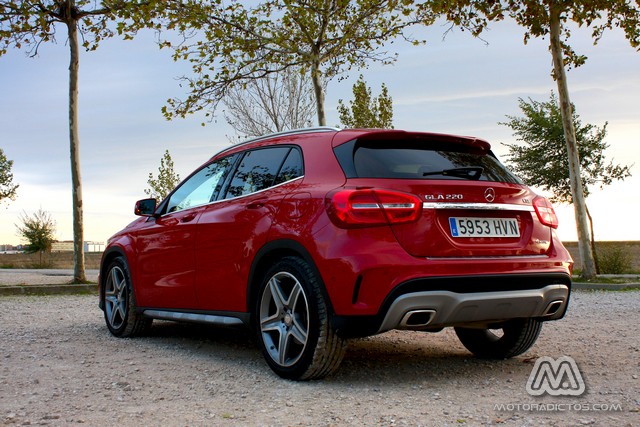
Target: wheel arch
[(270, 253)]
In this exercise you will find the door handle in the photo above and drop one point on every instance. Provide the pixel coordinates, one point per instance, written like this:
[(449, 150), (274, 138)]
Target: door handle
[(189, 217), (256, 205)]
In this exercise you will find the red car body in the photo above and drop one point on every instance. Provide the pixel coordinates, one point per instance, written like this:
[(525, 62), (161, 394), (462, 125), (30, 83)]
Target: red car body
[(370, 240)]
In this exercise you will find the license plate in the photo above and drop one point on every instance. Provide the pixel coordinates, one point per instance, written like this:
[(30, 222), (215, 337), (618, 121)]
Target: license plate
[(484, 227)]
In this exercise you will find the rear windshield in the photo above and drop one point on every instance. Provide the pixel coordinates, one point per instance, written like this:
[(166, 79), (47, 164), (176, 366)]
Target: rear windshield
[(415, 160)]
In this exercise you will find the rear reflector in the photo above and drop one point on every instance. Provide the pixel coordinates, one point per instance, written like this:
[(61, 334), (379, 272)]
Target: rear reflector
[(545, 212), (371, 207)]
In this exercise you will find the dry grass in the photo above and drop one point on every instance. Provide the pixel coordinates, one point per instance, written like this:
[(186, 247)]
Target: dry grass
[(629, 248)]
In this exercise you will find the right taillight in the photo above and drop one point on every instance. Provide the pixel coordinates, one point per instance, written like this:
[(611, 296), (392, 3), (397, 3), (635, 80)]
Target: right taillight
[(352, 208), (545, 212)]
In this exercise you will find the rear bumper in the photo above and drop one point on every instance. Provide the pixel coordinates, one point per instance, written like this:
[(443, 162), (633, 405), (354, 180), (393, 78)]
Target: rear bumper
[(480, 301), (436, 309)]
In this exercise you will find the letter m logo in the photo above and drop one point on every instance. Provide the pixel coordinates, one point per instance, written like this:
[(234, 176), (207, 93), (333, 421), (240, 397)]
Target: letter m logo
[(559, 377)]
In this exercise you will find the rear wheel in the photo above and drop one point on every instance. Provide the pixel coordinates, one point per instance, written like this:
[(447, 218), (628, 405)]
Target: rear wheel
[(293, 323), (120, 302), (514, 338)]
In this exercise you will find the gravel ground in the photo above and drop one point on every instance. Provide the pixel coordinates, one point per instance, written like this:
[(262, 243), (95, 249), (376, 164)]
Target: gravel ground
[(60, 366), (12, 277)]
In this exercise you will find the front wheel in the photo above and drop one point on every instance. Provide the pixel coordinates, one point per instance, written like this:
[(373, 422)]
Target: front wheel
[(120, 302), (293, 323), (514, 338)]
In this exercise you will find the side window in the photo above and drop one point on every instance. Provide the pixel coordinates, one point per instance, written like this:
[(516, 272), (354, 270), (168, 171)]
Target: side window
[(291, 168), (257, 171), (201, 188)]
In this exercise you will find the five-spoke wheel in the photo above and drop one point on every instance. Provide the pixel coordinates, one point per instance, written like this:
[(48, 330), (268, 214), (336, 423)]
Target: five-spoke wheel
[(120, 302), (293, 324), (115, 298), (284, 319)]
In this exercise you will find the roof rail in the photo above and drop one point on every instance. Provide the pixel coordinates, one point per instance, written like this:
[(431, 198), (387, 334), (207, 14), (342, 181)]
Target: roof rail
[(283, 133)]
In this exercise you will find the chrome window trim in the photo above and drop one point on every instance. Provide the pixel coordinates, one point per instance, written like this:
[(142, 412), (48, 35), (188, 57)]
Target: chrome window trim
[(478, 206)]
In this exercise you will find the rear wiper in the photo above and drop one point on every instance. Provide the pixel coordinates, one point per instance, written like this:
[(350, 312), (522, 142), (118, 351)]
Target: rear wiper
[(474, 172)]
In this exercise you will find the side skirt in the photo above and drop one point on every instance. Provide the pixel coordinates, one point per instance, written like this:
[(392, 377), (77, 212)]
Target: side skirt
[(211, 318)]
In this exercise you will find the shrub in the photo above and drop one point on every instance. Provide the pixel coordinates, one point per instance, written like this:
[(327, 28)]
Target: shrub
[(614, 260)]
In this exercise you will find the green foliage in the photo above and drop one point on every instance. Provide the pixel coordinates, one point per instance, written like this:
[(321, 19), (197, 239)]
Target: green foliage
[(166, 181), (7, 188), (366, 111), (614, 260), (38, 230), (237, 43), (540, 158), (28, 24), (535, 16)]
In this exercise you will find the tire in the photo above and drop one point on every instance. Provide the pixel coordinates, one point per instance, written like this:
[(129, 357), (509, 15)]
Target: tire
[(120, 312), (292, 320), (518, 336)]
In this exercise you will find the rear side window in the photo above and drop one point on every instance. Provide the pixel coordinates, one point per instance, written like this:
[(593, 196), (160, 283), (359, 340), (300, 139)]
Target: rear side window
[(416, 160), (264, 168), (291, 168)]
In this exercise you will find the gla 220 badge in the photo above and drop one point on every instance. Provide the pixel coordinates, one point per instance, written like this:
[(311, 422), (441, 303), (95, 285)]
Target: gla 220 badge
[(435, 197)]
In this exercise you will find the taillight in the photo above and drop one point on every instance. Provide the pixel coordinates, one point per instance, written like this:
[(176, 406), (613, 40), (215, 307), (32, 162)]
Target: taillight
[(545, 212), (371, 207)]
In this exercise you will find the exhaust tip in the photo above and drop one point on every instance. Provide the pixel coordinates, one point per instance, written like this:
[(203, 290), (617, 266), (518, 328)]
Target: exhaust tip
[(417, 319), (553, 307)]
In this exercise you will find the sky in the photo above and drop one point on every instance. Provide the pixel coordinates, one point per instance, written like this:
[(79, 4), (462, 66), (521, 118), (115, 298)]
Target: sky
[(456, 85)]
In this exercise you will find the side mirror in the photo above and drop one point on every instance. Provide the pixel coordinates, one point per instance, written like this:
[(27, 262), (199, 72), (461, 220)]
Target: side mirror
[(145, 207)]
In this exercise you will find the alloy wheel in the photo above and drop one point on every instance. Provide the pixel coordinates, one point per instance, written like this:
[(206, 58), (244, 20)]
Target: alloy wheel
[(284, 319), (115, 296)]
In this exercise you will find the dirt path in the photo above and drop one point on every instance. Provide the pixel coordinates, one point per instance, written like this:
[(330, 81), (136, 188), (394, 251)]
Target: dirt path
[(60, 366)]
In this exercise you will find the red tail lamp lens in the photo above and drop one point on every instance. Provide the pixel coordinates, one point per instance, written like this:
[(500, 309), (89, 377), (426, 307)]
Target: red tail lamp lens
[(370, 207), (545, 212)]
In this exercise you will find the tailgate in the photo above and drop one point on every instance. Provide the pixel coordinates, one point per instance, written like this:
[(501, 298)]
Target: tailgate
[(459, 221)]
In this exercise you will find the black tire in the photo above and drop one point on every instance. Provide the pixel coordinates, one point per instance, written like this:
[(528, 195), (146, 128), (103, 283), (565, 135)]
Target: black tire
[(518, 336), (120, 312), (293, 323)]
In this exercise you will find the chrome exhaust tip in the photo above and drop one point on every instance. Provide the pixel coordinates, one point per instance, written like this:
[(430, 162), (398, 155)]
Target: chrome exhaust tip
[(417, 319), (553, 307)]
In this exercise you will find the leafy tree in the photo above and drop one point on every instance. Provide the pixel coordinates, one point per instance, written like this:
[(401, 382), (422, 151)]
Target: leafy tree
[(29, 24), (275, 103), (166, 181), (540, 159), (366, 111), (38, 230), (236, 44), (7, 188), (541, 18)]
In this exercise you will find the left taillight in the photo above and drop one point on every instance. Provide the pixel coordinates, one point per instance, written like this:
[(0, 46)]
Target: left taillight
[(353, 208), (545, 212)]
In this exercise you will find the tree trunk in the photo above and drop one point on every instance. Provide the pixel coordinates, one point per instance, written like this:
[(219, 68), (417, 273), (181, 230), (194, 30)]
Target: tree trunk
[(316, 78), (74, 140), (593, 241), (577, 192)]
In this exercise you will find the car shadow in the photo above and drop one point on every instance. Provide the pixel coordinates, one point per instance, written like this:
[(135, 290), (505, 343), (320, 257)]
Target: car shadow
[(402, 357), (396, 357)]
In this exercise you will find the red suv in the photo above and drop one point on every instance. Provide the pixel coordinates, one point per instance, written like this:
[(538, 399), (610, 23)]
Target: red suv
[(311, 237)]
